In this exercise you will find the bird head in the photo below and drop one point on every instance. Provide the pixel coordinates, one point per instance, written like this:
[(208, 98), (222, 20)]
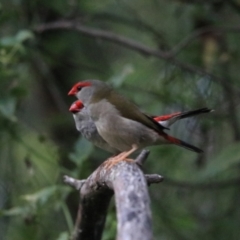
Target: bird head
[(76, 107), (78, 87), (89, 91)]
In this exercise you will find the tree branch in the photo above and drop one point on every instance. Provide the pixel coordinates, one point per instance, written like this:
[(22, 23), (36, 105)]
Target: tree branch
[(129, 184), (187, 40), (134, 23), (126, 42), (102, 34)]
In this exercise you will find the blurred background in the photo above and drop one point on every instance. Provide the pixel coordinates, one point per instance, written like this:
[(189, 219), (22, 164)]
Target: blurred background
[(166, 56)]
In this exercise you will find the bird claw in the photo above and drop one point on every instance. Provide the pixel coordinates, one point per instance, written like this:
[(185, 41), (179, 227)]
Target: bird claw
[(121, 157), (114, 160)]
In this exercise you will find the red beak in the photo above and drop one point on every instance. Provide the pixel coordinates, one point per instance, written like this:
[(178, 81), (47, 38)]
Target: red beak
[(72, 92), (74, 108)]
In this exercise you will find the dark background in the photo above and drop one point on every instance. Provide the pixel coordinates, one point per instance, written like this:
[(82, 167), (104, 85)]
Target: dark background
[(166, 56)]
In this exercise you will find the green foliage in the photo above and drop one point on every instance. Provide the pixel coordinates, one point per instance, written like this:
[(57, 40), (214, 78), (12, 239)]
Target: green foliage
[(38, 140), (82, 152), (226, 160)]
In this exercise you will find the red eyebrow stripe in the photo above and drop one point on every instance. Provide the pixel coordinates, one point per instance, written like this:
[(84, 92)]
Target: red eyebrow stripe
[(74, 90), (82, 84)]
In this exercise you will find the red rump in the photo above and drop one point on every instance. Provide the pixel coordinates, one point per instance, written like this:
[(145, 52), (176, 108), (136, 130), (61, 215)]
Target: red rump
[(166, 117), (182, 143), (172, 139)]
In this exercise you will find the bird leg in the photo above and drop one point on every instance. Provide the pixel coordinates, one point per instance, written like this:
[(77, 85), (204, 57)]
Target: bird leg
[(125, 154), (122, 156)]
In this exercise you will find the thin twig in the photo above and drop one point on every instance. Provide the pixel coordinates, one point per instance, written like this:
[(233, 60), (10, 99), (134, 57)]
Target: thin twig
[(73, 182), (142, 157), (187, 40), (153, 178)]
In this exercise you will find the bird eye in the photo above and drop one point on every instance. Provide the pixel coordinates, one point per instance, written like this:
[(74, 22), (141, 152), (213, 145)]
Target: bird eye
[(79, 88)]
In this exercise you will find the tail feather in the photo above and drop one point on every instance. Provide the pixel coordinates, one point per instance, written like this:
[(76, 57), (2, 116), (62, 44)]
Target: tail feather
[(181, 115), (194, 112), (182, 144)]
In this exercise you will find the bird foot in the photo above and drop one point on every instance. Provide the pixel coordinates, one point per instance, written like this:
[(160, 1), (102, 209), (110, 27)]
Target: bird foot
[(124, 155), (121, 157), (114, 160)]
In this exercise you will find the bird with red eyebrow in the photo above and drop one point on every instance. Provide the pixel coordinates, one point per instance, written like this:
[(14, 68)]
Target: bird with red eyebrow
[(88, 129), (120, 122)]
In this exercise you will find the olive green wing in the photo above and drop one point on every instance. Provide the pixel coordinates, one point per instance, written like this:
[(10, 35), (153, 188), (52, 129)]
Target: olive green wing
[(131, 111)]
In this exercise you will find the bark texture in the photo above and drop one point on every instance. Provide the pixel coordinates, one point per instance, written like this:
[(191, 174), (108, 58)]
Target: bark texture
[(129, 184)]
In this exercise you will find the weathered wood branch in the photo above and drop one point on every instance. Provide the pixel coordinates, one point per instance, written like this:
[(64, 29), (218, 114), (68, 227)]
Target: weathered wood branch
[(127, 181)]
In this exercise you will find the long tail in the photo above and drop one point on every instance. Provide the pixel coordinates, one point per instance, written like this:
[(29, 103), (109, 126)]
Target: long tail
[(181, 115), (182, 144), (167, 120), (194, 112)]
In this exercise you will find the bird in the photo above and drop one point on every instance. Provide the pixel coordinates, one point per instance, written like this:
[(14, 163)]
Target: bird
[(88, 129), (119, 121)]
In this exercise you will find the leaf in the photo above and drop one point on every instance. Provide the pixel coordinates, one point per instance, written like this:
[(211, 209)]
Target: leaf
[(19, 38), (8, 41), (118, 79), (7, 108), (24, 35), (43, 156), (43, 195), (14, 211), (83, 149), (63, 236)]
